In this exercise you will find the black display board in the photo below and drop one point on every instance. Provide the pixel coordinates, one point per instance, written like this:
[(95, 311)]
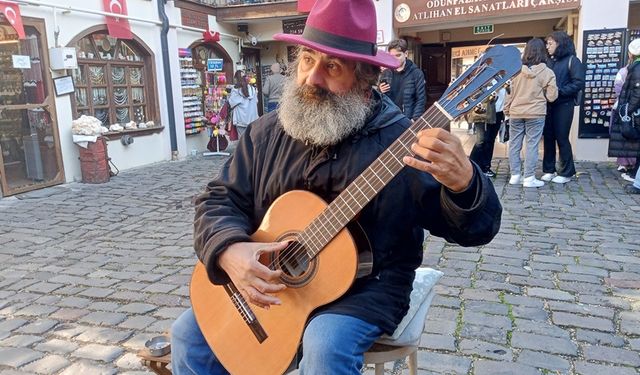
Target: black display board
[(294, 26), (603, 55)]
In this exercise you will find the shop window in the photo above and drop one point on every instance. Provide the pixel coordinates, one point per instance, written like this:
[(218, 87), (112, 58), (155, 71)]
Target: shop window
[(112, 80)]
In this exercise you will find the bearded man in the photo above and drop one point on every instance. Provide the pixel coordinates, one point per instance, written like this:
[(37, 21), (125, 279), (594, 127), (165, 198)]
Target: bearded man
[(330, 126)]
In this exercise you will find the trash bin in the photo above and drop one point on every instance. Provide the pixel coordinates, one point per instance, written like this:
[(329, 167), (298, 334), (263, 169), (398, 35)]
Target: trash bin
[(94, 162)]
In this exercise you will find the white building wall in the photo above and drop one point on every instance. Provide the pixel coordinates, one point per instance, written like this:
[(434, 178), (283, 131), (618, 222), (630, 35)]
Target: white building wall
[(594, 15), (145, 149)]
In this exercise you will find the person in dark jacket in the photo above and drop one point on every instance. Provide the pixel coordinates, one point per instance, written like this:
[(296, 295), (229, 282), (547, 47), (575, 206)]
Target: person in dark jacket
[(331, 127), (629, 103), (570, 81), (404, 85)]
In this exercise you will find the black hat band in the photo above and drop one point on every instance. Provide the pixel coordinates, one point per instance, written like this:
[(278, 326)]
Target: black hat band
[(339, 42)]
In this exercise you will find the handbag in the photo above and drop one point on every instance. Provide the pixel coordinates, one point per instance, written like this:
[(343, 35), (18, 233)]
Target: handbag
[(629, 122)]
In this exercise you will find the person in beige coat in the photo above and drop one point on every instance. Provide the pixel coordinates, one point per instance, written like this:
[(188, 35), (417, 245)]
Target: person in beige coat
[(526, 107)]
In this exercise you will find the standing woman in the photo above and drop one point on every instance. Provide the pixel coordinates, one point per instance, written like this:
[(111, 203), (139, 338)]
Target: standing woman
[(243, 99), (570, 80), (629, 104), (526, 106)]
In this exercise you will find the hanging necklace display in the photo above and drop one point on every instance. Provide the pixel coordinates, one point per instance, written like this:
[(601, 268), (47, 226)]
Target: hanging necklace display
[(102, 115), (117, 75), (99, 96), (135, 74), (96, 75), (120, 96), (81, 97), (137, 95), (122, 115)]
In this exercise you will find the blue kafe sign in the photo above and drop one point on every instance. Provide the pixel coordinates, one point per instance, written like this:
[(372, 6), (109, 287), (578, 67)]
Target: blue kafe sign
[(214, 65)]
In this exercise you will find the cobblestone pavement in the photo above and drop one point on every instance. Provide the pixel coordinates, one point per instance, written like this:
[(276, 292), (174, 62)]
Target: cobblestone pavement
[(89, 272)]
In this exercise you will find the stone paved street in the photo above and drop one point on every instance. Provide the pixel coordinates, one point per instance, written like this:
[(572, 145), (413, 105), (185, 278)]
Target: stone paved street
[(89, 272)]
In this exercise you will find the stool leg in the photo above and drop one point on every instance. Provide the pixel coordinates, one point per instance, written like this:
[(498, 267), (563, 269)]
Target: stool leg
[(413, 363), (379, 369)]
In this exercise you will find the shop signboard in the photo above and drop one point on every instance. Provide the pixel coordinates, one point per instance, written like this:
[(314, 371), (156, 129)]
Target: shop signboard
[(602, 56), (294, 26), (408, 13), (214, 65)]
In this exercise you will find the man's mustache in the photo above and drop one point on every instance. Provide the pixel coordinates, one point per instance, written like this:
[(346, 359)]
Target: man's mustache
[(308, 92)]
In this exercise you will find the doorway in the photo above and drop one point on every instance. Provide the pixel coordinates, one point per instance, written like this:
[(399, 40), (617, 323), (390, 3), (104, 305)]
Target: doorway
[(30, 156), (435, 66)]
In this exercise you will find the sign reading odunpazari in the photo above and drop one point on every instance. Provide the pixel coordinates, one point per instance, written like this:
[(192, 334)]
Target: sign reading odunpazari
[(419, 12)]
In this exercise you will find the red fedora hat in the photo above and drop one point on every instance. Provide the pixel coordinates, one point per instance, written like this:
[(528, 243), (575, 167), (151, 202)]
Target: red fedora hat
[(343, 28)]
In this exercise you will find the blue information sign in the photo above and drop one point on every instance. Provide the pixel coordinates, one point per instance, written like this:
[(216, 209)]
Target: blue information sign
[(214, 65)]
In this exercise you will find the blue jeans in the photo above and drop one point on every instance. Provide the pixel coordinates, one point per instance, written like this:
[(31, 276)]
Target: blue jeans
[(518, 128), (636, 182), (332, 344)]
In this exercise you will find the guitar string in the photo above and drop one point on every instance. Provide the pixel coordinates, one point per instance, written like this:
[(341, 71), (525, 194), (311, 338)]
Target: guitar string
[(406, 136), (390, 154)]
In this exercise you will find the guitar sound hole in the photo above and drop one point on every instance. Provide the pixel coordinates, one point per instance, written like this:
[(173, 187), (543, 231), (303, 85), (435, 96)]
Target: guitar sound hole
[(293, 260), (297, 268)]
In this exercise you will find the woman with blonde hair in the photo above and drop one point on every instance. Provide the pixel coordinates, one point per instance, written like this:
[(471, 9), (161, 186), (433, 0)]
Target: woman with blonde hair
[(526, 107)]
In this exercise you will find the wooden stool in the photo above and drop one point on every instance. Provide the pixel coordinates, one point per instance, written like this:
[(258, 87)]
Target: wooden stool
[(379, 354), (159, 365)]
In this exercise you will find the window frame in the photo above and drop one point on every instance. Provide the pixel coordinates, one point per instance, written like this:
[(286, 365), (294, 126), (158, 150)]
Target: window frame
[(148, 83)]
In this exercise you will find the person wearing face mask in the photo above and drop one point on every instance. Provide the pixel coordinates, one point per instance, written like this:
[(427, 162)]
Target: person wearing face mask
[(404, 85), (569, 74)]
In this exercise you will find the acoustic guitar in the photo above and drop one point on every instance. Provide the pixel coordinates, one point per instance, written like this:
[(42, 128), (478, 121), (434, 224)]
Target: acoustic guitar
[(321, 261)]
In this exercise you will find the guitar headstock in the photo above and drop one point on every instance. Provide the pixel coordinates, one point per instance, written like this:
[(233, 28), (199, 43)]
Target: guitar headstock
[(490, 72)]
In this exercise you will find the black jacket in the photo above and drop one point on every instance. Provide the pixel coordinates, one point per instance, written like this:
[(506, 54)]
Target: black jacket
[(413, 98), (619, 146), (267, 163), (569, 77)]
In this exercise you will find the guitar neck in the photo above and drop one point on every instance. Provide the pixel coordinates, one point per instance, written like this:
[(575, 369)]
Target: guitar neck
[(367, 185)]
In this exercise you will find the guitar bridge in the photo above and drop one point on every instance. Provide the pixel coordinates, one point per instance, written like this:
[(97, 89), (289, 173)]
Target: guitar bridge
[(245, 311)]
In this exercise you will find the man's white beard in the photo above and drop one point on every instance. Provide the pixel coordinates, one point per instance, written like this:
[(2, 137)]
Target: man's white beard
[(320, 117)]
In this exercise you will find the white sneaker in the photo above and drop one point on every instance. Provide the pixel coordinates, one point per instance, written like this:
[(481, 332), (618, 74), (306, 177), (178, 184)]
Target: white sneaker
[(515, 179), (548, 177), (627, 177), (561, 179), (531, 181)]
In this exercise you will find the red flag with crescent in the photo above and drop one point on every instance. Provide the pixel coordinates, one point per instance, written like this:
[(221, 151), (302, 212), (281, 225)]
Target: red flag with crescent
[(118, 26), (11, 12)]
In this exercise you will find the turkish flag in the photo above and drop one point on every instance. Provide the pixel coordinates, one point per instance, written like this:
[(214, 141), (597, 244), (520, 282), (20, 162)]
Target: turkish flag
[(118, 27), (11, 12), (304, 6)]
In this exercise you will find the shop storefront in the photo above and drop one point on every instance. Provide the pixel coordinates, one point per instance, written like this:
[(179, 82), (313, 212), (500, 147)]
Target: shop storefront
[(30, 156), (450, 35)]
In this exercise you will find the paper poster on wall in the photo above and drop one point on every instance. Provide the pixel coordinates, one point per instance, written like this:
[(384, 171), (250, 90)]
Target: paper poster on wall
[(63, 85), (602, 56), (21, 61)]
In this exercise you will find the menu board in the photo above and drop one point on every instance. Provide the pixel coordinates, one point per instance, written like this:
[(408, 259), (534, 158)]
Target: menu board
[(603, 55)]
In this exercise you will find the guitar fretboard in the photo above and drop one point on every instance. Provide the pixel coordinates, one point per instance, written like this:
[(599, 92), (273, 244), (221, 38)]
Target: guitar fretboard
[(367, 185)]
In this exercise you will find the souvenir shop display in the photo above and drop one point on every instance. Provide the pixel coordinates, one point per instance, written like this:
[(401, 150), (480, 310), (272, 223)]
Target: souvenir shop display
[(602, 56), (215, 99), (192, 100)]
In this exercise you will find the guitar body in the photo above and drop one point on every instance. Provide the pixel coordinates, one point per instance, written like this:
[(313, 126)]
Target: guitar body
[(326, 278)]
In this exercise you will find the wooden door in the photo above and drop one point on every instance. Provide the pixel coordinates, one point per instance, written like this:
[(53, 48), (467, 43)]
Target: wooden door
[(436, 68), (30, 156)]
